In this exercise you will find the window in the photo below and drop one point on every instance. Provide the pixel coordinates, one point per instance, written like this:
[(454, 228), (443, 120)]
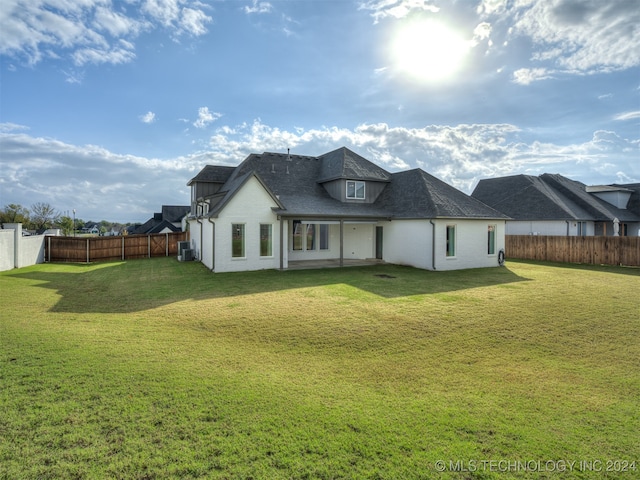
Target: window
[(491, 240), (311, 236), (451, 240), (324, 236), (237, 240), (266, 240), (582, 229), (297, 235), (355, 189)]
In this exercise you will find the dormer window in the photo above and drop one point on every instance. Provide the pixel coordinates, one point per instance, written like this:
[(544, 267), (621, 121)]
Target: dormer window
[(355, 190)]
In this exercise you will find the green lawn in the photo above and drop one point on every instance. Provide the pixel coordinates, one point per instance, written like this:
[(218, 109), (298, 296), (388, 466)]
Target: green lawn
[(161, 369)]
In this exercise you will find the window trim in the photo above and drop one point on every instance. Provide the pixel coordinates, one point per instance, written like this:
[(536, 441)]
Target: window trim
[(270, 240), (448, 228), (234, 228), (492, 228), (355, 190)]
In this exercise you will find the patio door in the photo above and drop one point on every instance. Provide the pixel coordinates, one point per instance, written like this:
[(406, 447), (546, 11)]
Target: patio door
[(379, 243)]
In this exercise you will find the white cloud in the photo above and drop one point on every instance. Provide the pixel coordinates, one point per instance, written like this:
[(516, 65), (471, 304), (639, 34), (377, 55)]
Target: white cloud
[(525, 76), (382, 9), (91, 31), (148, 117), (130, 188), (627, 115), (205, 117), (571, 37), (258, 6)]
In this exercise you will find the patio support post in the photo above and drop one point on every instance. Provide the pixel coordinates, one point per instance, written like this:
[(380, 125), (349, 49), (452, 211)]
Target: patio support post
[(341, 242)]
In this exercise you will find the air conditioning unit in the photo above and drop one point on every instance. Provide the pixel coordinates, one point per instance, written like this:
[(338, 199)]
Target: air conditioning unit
[(182, 246), (187, 255)]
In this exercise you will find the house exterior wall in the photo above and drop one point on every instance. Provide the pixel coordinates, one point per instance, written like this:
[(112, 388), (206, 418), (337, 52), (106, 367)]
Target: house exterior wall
[(236, 211), (471, 244), (407, 242), (358, 241), (410, 242)]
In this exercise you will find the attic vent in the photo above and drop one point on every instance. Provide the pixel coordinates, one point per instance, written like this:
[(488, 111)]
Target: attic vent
[(273, 168)]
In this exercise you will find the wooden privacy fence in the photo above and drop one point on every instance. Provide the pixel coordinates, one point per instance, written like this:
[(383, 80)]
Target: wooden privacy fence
[(594, 250), (95, 249)]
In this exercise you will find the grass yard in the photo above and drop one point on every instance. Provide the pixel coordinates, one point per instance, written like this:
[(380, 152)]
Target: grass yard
[(159, 369)]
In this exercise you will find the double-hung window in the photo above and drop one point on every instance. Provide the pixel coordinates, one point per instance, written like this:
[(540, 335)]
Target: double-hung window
[(237, 240), (355, 189), (491, 240), (451, 240)]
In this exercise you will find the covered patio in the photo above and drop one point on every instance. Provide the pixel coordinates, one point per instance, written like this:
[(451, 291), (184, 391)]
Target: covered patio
[(332, 263)]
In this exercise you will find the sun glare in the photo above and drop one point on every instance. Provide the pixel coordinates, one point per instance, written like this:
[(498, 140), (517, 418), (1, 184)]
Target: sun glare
[(429, 51)]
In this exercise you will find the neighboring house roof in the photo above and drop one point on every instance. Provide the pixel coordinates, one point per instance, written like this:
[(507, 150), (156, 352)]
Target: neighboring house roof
[(174, 213), (170, 215), (295, 183), (160, 227), (547, 197)]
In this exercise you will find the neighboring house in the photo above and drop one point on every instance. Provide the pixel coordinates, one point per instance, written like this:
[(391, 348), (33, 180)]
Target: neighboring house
[(167, 221), (555, 205), (92, 228), (274, 209)]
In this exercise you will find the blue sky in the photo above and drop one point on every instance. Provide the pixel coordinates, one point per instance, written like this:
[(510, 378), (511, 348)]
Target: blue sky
[(110, 107)]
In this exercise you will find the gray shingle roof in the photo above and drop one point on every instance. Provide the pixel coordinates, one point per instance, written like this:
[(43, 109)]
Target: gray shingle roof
[(417, 194), (343, 163), (213, 174), (296, 182), (547, 197)]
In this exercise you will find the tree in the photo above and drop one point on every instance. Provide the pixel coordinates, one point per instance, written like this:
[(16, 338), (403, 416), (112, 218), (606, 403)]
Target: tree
[(43, 216), (66, 224), (14, 213)]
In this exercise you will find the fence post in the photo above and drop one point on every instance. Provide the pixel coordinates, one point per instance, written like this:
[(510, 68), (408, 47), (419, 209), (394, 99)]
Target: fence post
[(149, 246), (123, 248), (87, 249), (166, 244)]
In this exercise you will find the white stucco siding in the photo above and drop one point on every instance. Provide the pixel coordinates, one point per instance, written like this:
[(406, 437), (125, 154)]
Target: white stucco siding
[(471, 244), (251, 206), (407, 242), (410, 242), (359, 241)]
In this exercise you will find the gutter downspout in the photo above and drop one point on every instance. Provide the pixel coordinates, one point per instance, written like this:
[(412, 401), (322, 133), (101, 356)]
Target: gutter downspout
[(433, 244), (568, 223), (201, 228), (281, 243), (213, 244)]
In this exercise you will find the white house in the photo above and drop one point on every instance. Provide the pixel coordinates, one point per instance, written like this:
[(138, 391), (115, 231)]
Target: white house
[(274, 209)]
